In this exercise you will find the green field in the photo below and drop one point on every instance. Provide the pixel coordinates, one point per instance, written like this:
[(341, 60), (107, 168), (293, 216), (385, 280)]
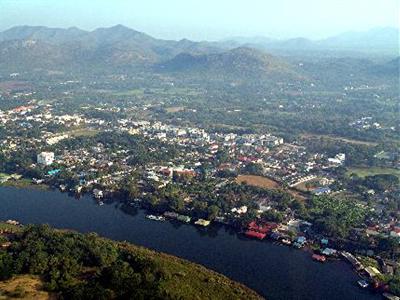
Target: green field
[(363, 172), (82, 132)]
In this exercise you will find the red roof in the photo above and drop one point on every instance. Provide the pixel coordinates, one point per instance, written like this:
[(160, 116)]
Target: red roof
[(263, 228), (255, 234)]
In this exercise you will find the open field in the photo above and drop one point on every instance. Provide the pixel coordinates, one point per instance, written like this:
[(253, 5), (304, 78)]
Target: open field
[(259, 181), (82, 132), (363, 172), (24, 183), (338, 138), (24, 287), (267, 183)]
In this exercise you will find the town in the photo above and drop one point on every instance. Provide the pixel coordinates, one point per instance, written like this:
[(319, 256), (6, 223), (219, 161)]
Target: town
[(257, 183)]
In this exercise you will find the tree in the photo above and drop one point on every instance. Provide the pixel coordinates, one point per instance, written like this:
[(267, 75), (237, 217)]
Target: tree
[(213, 211), (394, 285), (6, 265)]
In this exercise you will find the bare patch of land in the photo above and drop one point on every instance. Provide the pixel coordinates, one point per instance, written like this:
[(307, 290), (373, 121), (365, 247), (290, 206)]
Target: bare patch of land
[(259, 181), (267, 183), (24, 287)]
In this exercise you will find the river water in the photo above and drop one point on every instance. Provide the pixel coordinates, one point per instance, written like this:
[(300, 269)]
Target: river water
[(274, 271)]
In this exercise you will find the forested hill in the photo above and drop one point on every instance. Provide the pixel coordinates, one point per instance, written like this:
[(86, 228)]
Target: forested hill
[(71, 265)]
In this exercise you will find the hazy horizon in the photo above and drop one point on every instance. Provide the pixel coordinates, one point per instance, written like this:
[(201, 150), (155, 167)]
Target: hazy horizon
[(205, 20)]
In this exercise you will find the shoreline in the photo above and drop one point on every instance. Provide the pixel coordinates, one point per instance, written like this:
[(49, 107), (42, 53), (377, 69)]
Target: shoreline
[(239, 233), (158, 244)]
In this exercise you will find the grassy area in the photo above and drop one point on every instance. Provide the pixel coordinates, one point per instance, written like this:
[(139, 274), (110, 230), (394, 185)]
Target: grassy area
[(9, 227), (368, 261), (187, 280), (82, 132), (24, 287), (339, 138), (363, 172), (24, 184)]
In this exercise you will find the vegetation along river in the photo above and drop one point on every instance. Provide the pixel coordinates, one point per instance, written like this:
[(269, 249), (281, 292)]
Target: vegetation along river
[(274, 271)]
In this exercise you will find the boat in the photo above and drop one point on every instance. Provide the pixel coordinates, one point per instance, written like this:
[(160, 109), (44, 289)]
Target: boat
[(155, 218), (202, 222), (98, 194), (319, 258), (286, 242), (101, 203), (363, 283)]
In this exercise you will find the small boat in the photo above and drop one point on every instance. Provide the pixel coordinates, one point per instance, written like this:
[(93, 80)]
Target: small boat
[(363, 283), (319, 258), (286, 241), (101, 203), (202, 222), (155, 218)]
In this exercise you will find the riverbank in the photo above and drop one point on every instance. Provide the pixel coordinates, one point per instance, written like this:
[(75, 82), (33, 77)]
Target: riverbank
[(24, 183), (274, 271)]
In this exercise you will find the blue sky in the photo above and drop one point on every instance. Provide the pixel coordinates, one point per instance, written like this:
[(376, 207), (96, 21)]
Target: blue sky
[(207, 19)]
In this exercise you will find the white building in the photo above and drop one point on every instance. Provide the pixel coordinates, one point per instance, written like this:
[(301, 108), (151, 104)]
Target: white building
[(45, 158)]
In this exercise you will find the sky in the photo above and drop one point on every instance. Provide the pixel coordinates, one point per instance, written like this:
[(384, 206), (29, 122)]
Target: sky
[(207, 19)]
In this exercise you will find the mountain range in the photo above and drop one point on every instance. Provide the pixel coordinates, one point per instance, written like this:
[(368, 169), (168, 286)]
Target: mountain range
[(378, 40), (37, 47)]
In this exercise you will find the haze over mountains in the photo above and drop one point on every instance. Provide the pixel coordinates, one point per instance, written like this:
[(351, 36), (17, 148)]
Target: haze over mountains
[(377, 40), (28, 47)]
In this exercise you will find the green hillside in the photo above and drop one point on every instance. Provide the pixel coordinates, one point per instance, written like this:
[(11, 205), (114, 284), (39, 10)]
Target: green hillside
[(77, 266)]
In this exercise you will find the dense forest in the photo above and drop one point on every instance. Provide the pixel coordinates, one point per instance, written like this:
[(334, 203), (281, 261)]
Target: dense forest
[(77, 266)]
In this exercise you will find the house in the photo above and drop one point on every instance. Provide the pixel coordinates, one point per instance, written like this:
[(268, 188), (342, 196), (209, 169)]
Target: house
[(300, 242), (53, 172), (329, 251), (321, 191), (324, 241), (240, 210), (45, 158)]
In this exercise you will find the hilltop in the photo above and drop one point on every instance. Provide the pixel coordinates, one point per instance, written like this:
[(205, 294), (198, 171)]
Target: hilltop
[(241, 62)]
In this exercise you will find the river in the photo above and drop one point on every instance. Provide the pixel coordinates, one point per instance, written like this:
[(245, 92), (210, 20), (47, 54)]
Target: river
[(274, 271)]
